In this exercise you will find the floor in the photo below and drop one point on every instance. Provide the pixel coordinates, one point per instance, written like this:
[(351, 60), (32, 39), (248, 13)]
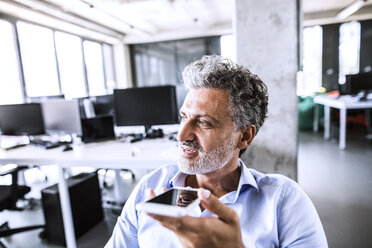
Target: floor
[(338, 182)]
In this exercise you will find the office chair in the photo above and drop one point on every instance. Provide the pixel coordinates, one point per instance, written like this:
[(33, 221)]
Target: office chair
[(9, 194)]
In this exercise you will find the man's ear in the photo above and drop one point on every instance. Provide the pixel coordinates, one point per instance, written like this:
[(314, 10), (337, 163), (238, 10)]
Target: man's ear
[(247, 135)]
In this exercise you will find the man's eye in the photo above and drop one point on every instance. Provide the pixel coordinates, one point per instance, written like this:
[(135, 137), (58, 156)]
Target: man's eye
[(182, 118), (204, 123)]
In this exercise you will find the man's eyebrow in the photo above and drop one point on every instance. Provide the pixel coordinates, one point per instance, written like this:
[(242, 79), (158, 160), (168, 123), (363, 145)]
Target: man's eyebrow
[(201, 116)]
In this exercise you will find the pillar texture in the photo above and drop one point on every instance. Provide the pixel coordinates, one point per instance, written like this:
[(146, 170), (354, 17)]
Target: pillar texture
[(267, 43)]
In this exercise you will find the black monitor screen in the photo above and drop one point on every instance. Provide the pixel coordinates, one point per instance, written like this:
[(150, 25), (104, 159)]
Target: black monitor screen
[(21, 119), (98, 128), (356, 83), (360, 82), (145, 106)]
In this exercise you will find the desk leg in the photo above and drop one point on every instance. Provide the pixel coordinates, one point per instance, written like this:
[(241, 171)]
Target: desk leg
[(316, 118), (118, 187), (342, 141), (327, 121), (66, 210)]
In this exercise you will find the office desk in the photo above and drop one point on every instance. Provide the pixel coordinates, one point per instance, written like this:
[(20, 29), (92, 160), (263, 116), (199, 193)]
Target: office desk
[(146, 154), (342, 103)]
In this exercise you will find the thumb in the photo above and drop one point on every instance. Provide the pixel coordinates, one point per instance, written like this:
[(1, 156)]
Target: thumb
[(213, 204), (150, 193)]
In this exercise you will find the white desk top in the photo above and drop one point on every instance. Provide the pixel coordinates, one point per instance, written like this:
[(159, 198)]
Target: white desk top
[(145, 154), (347, 102)]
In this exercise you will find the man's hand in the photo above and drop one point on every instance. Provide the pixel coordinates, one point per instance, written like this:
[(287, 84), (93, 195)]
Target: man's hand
[(223, 231)]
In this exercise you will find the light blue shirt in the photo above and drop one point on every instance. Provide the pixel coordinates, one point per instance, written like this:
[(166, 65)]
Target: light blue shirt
[(273, 212)]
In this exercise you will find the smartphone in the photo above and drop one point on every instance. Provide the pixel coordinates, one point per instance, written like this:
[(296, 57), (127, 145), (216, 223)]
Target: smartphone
[(176, 202)]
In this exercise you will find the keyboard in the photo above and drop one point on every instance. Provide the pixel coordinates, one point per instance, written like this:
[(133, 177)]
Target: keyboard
[(46, 143)]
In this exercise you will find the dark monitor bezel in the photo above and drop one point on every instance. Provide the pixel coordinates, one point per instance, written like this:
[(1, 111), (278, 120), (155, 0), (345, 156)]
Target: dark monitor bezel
[(29, 119), (163, 99)]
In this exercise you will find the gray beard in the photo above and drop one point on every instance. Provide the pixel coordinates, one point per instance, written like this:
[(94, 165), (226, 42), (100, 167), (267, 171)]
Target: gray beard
[(208, 162)]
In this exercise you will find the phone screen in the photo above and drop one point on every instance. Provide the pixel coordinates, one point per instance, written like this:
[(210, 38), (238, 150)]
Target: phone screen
[(176, 197)]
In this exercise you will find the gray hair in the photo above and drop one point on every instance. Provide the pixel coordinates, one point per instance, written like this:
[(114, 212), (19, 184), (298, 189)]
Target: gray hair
[(247, 93)]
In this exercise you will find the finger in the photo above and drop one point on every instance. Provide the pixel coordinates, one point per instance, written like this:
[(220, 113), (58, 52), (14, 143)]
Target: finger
[(150, 193), (213, 204), (180, 224), (171, 223)]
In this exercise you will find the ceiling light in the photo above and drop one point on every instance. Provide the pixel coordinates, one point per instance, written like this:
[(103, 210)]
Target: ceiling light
[(349, 10)]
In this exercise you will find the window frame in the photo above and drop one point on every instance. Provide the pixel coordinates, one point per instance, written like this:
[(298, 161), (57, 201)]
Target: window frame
[(13, 21)]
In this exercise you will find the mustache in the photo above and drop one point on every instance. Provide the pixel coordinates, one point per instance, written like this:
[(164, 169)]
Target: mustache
[(193, 145)]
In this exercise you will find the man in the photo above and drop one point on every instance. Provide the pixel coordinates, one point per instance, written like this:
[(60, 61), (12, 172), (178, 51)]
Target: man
[(240, 207)]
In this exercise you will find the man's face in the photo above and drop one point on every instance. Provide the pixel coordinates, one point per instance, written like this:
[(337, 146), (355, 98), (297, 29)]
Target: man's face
[(207, 136)]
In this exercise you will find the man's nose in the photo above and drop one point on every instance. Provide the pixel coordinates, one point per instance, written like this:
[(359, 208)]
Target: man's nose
[(186, 132)]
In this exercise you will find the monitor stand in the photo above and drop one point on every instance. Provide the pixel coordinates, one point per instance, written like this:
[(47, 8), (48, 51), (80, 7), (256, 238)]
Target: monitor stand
[(151, 133)]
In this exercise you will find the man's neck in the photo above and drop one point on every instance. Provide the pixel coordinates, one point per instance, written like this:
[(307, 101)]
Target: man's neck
[(219, 182)]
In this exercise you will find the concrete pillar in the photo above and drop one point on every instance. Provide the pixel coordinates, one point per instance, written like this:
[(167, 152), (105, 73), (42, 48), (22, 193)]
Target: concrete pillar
[(267, 43)]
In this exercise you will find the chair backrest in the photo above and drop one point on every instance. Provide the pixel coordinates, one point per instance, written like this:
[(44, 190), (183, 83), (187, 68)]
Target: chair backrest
[(9, 194)]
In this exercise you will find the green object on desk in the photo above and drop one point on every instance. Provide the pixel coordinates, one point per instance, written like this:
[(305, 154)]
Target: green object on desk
[(306, 113)]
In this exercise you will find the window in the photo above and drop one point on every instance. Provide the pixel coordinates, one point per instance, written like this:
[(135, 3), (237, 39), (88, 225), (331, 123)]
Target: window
[(50, 63), (349, 49), (70, 62), (162, 63), (312, 61), (228, 47), (38, 60), (154, 63), (109, 68), (10, 83), (94, 66)]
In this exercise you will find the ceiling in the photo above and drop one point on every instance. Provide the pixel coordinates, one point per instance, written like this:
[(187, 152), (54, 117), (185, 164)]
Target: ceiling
[(150, 20)]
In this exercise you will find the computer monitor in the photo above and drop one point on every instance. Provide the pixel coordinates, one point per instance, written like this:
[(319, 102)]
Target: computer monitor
[(145, 106), (361, 82), (103, 105), (98, 128), (21, 119), (356, 83), (62, 116)]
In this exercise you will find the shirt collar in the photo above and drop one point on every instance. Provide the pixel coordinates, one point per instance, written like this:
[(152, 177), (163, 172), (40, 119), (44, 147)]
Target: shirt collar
[(246, 178), (178, 180)]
